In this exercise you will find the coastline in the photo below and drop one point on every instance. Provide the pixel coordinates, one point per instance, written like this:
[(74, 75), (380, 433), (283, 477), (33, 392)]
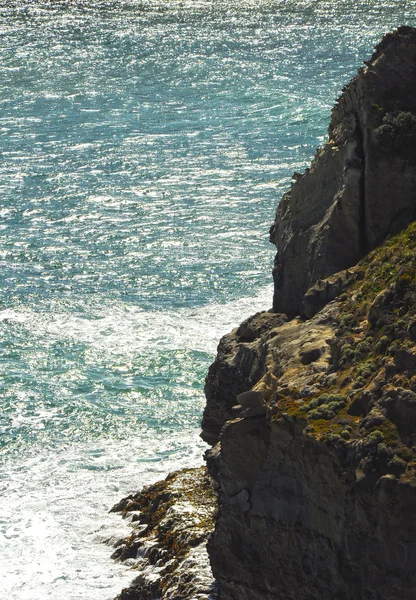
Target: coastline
[(317, 477)]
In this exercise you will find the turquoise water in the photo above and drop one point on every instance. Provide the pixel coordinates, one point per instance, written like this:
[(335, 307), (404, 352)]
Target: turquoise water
[(143, 149)]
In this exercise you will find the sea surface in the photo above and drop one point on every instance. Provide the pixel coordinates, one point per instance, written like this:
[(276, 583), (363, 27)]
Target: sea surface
[(144, 146)]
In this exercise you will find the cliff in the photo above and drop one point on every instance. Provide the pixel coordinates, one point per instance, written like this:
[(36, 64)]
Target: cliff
[(317, 494), (360, 186), (311, 407), (316, 414)]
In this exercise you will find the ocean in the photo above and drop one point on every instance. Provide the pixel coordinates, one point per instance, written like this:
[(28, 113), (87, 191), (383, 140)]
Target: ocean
[(144, 146)]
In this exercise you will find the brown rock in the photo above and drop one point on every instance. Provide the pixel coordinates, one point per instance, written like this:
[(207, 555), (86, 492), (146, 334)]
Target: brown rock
[(296, 352), (303, 529)]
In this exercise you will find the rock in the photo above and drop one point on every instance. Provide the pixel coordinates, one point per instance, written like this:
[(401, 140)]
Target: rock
[(246, 367), (317, 495), (360, 187), (405, 360), (326, 290), (310, 355), (255, 326), (308, 532), (240, 501), (381, 308), (167, 546), (374, 418), (400, 405), (250, 399)]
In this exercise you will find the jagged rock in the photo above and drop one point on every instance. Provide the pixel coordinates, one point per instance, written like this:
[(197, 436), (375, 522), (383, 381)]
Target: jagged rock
[(361, 185), (295, 347), (381, 306), (255, 326), (250, 399), (400, 407), (324, 291), (167, 546), (239, 365)]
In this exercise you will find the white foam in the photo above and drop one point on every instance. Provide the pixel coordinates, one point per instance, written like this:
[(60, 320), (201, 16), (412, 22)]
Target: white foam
[(54, 519), (127, 330)]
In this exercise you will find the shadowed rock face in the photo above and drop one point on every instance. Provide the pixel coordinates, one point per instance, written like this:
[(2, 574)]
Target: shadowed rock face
[(361, 185), (317, 494), (307, 530), (239, 365)]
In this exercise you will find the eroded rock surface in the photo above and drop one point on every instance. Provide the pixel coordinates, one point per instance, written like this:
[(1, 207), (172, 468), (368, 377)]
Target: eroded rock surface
[(295, 354), (361, 185), (306, 528), (239, 365), (171, 521), (317, 496)]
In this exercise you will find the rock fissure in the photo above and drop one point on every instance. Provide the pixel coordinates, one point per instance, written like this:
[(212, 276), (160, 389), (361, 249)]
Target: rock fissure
[(363, 242)]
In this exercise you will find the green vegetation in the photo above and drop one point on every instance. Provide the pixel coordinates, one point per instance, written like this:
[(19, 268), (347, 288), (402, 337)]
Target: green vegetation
[(397, 133), (369, 405), (325, 406)]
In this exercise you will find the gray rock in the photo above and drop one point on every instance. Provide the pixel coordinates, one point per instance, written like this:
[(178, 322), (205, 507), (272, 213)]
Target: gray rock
[(326, 290), (310, 531), (250, 399), (361, 185)]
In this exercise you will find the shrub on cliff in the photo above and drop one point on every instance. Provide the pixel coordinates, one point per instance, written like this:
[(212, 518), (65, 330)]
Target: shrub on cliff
[(397, 134)]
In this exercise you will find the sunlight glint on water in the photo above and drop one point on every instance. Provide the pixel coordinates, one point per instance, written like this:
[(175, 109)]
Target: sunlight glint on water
[(143, 149)]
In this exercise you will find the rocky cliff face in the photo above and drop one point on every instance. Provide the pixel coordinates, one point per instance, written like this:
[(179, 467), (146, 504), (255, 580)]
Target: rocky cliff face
[(313, 417), (361, 184), (317, 491), (316, 467)]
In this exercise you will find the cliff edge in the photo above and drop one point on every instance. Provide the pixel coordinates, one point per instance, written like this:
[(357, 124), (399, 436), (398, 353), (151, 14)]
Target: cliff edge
[(316, 414), (361, 185), (359, 189)]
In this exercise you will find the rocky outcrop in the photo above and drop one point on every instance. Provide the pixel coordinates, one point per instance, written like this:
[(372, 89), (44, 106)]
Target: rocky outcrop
[(239, 365), (361, 185), (283, 355), (326, 290), (171, 521), (317, 495)]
